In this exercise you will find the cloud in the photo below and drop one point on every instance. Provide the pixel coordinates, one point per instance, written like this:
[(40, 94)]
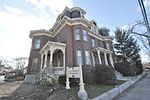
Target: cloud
[(12, 10), (16, 24), (147, 3), (53, 6)]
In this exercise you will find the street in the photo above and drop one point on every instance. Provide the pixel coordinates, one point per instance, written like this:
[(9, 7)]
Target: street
[(139, 91)]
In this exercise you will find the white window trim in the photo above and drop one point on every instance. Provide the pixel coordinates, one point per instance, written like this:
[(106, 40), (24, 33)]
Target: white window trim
[(93, 42), (37, 44), (77, 34), (79, 57), (87, 57), (85, 35)]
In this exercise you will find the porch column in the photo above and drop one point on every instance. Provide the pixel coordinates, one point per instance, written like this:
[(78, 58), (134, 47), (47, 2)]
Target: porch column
[(99, 58), (45, 62), (51, 57), (93, 58), (64, 64), (111, 60), (41, 61), (105, 56)]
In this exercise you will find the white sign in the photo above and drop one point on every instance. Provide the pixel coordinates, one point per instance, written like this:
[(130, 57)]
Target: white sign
[(74, 72)]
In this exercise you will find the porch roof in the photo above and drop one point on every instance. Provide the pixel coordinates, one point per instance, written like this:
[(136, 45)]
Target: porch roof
[(52, 46), (103, 50)]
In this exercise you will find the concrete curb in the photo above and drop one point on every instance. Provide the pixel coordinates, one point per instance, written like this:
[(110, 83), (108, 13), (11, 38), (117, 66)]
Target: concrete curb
[(118, 89)]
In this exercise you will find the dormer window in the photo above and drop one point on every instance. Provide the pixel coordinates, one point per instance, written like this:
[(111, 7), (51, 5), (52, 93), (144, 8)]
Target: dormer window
[(95, 23), (93, 28), (76, 14)]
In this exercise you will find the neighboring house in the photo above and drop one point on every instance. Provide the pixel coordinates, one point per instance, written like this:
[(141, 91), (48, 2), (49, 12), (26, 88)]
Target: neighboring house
[(72, 40)]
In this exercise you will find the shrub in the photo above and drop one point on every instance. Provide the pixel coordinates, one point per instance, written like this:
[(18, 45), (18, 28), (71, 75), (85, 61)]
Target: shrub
[(125, 68), (105, 75), (88, 74), (45, 80), (139, 68), (62, 80)]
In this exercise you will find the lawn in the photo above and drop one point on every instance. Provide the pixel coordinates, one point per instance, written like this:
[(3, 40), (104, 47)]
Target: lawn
[(71, 94), (25, 91)]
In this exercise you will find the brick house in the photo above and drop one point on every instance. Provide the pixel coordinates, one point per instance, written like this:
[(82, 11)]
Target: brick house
[(71, 41)]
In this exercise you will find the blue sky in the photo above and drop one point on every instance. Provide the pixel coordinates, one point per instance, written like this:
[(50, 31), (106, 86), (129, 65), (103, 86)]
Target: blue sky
[(18, 17)]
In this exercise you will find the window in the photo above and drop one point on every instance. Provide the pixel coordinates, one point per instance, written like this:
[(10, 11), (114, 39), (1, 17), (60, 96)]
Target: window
[(79, 57), (37, 43), (87, 57), (107, 46), (76, 14), (105, 33), (77, 34), (93, 28), (85, 35), (93, 43), (34, 63), (104, 45)]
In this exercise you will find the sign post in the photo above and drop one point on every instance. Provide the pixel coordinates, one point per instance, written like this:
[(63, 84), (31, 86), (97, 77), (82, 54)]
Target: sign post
[(67, 79), (76, 72), (82, 94)]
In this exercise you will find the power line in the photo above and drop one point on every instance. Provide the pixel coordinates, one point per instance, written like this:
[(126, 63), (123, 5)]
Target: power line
[(144, 15)]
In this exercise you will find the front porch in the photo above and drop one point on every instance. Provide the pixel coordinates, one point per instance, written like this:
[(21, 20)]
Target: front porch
[(102, 56), (53, 57)]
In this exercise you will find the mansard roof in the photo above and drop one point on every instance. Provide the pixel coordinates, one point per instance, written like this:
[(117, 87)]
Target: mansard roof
[(70, 21)]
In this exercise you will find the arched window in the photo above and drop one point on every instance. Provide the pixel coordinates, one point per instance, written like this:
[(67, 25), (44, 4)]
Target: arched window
[(87, 57), (79, 56), (77, 34)]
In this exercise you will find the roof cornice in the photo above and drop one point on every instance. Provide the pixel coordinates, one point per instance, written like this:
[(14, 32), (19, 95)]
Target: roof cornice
[(40, 32), (66, 20), (75, 21)]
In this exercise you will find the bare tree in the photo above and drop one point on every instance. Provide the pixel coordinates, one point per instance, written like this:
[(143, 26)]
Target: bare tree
[(5, 62), (139, 31), (20, 62)]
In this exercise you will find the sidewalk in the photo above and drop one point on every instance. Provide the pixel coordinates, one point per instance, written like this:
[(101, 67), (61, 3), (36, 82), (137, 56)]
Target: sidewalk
[(139, 91), (119, 89)]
